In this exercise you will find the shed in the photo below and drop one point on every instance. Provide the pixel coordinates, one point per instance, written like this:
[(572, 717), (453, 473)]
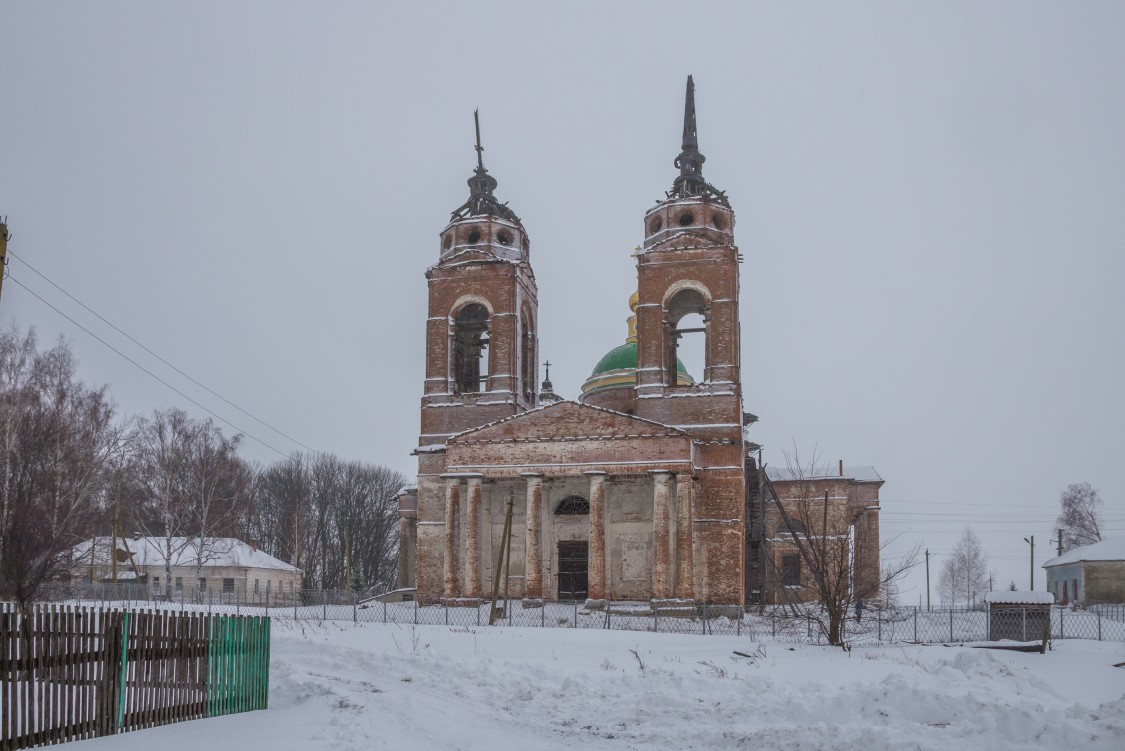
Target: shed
[(1021, 616)]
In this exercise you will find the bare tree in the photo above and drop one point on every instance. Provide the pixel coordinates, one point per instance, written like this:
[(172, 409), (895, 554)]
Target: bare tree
[(1079, 516), (57, 438), (219, 486), (965, 571), (824, 535), (335, 520), (192, 485)]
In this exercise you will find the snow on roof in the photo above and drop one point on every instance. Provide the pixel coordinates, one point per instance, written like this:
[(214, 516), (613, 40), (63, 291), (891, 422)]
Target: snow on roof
[(152, 551), (1007, 597), (859, 473), (1112, 549)]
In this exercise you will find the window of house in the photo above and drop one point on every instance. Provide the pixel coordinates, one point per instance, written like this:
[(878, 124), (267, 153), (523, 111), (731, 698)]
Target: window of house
[(179, 584), (256, 586), (228, 585), (791, 570), (202, 583), (156, 582), (794, 526), (1075, 588), (470, 345)]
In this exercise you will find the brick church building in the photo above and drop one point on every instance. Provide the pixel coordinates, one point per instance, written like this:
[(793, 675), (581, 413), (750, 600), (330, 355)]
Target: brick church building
[(643, 489)]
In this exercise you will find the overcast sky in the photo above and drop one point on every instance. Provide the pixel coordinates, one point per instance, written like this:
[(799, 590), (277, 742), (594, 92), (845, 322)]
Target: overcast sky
[(930, 200)]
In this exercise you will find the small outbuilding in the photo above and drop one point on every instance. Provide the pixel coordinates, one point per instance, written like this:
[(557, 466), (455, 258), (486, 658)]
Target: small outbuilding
[(1020, 616), (1090, 574)]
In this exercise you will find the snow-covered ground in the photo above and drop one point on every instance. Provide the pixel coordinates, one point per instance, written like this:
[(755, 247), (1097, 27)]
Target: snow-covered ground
[(388, 686)]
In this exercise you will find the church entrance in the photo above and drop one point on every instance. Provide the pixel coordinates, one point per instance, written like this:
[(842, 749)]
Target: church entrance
[(573, 573)]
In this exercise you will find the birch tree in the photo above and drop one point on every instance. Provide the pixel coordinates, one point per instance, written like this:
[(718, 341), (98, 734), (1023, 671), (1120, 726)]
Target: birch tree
[(1079, 517), (57, 438)]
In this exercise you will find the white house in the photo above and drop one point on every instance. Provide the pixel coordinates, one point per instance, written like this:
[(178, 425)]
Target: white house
[(213, 566), (1089, 574)]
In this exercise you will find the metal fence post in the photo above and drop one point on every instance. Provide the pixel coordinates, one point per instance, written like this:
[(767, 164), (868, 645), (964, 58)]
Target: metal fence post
[(478, 613), (324, 605), (355, 607), (1062, 629), (576, 612), (951, 624), (446, 612), (915, 623), (738, 624), (1099, 614), (542, 614), (296, 599), (415, 607), (655, 619), (1024, 612), (705, 616), (879, 621), (773, 625), (385, 613)]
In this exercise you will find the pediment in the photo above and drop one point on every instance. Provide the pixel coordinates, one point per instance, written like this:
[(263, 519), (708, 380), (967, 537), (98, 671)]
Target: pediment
[(566, 421)]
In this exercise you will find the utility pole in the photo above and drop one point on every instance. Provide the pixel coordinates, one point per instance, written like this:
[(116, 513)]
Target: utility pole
[(3, 250), (1031, 542), (1058, 541), (927, 579)]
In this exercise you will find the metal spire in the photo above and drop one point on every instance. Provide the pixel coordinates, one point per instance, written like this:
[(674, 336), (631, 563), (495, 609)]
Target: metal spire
[(481, 186), (691, 183)]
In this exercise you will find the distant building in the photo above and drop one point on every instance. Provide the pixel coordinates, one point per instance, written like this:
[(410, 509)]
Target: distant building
[(1090, 574), (229, 566)]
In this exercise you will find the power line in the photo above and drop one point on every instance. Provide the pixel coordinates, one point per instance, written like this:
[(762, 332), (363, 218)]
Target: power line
[(158, 357), (146, 370)]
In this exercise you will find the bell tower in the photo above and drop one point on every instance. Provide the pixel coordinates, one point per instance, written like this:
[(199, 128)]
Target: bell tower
[(687, 273), (481, 330)]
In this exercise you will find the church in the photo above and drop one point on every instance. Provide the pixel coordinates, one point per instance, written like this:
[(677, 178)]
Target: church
[(646, 487)]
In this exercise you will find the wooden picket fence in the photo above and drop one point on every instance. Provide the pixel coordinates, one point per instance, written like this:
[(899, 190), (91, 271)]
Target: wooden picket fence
[(74, 672)]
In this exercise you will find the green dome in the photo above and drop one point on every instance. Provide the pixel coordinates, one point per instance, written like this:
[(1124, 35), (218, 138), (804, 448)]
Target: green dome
[(625, 358)]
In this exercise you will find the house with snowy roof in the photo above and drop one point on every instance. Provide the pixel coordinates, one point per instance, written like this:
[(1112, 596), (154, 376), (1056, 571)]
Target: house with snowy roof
[(1090, 574), (187, 566)]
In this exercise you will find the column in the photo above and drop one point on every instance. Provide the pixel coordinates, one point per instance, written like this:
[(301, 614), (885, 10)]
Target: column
[(685, 553), (472, 538), (661, 554), (533, 566), (452, 510), (596, 578)]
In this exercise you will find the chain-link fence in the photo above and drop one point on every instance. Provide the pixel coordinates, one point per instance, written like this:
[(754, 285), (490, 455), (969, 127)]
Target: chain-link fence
[(807, 625)]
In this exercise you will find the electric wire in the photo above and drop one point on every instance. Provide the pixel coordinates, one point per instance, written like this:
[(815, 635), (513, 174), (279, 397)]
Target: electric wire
[(161, 359), (146, 370)]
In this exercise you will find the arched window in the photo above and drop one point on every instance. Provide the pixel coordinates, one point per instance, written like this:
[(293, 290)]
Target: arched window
[(573, 505), (527, 357), (795, 526), (470, 342), (688, 328)]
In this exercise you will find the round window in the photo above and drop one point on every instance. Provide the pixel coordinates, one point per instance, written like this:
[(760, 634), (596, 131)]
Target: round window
[(686, 219), (474, 236), (655, 225), (447, 242), (504, 237), (718, 221)]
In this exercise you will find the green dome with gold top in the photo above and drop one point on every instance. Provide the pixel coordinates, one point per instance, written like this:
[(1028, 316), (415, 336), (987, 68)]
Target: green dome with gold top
[(618, 367)]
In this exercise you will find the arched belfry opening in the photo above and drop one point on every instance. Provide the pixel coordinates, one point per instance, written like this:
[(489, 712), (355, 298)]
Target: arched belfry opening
[(687, 326), (528, 375), (470, 345)]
